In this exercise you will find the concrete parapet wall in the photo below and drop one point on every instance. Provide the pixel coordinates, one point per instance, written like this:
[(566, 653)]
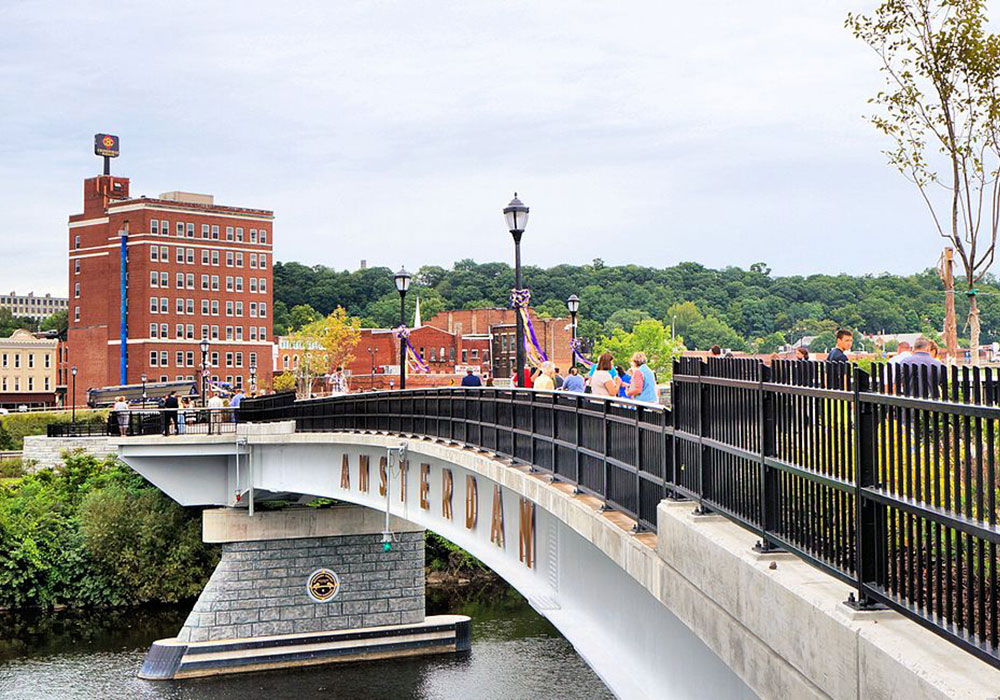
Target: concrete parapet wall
[(233, 525), (260, 587), (787, 627), (48, 452)]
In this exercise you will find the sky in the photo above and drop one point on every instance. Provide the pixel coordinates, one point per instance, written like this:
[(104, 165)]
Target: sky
[(722, 132)]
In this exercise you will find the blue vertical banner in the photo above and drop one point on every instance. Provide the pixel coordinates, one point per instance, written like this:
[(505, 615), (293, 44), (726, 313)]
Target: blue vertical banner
[(123, 326)]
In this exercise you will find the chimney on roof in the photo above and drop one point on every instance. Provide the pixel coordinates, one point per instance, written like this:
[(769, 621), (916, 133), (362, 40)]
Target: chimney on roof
[(364, 264)]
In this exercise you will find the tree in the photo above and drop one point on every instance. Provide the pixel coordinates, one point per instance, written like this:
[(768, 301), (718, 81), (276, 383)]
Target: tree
[(301, 315), (56, 322), (649, 336), (941, 109), (625, 319), (325, 343)]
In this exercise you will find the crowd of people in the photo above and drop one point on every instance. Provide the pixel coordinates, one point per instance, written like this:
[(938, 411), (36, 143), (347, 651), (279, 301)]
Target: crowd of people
[(175, 412)]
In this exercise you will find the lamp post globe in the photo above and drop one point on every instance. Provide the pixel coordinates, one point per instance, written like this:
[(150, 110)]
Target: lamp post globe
[(516, 216), (73, 372), (143, 378), (402, 280), (573, 304), (253, 379)]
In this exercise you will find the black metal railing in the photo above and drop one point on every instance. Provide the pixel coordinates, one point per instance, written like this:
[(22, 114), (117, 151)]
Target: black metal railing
[(190, 421), (886, 481)]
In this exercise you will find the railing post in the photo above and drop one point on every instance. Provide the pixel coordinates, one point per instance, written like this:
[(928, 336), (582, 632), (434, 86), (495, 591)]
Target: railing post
[(702, 428), (577, 420), (604, 452), (870, 517), (768, 481), (531, 424)]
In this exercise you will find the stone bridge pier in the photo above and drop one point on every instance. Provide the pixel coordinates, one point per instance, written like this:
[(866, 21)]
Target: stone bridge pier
[(305, 586)]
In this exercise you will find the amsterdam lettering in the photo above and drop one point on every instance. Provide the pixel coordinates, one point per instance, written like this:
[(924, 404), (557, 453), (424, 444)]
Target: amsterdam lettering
[(404, 469), (363, 473), (471, 503), (383, 475), (447, 488), (526, 539), (425, 486), (496, 527), (345, 473)]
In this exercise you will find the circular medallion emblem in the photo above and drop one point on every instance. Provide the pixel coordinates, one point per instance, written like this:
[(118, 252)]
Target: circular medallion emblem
[(323, 585), (108, 142)]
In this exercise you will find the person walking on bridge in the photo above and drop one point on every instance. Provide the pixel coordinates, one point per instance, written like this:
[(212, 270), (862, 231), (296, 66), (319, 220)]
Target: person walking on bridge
[(573, 381), (602, 381), (643, 384), (471, 379), (544, 381)]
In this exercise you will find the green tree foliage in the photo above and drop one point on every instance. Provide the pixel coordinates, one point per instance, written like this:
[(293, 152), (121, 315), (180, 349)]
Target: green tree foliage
[(725, 307), (10, 323), (56, 322), (95, 533)]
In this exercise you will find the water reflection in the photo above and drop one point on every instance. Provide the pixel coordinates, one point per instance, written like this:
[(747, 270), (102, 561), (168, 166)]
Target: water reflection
[(515, 654)]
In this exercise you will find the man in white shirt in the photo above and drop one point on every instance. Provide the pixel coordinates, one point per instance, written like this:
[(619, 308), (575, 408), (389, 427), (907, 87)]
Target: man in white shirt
[(902, 352), (216, 402)]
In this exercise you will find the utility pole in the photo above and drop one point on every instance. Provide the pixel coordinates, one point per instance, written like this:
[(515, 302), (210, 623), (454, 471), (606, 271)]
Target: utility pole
[(948, 278)]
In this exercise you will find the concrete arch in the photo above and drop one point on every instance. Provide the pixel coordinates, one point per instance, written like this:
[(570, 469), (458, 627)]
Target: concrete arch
[(588, 574)]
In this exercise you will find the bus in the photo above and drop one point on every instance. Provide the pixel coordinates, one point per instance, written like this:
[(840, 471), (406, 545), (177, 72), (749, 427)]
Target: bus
[(105, 396)]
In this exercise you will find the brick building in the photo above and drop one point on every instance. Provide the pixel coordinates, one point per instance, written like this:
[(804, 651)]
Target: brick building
[(31, 306), (498, 325), (149, 278)]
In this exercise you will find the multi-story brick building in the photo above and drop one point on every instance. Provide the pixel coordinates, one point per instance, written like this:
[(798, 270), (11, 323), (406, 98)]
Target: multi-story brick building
[(27, 370), (149, 278), (31, 306)]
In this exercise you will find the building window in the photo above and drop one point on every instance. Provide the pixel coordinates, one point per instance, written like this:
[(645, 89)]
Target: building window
[(239, 359), (229, 283), (239, 284), (190, 230), (47, 387), (215, 332), (263, 236), (215, 283), (253, 309), (253, 285), (239, 234), (164, 305), (189, 306), (164, 227), (285, 361), (154, 253), (215, 258), (229, 308), (47, 360), (190, 280), (31, 383), (262, 310), (253, 359), (465, 356), (229, 258), (179, 330), (263, 262), (229, 359), (433, 355), (154, 305), (164, 253), (154, 226), (76, 290), (179, 257), (239, 309), (230, 334), (253, 261), (76, 267), (180, 305), (253, 239), (475, 353), (204, 331), (165, 279), (31, 359), (239, 260), (230, 233), (180, 280), (180, 230), (154, 358), (76, 242), (164, 330), (215, 307), (261, 333), (189, 357), (204, 282), (253, 332), (204, 257), (164, 359), (179, 358), (204, 230), (239, 332), (263, 285), (190, 256), (215, 233), (204, 307), (153, 330)]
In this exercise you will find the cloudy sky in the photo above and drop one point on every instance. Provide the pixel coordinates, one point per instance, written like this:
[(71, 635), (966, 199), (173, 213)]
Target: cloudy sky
[(724, 132)]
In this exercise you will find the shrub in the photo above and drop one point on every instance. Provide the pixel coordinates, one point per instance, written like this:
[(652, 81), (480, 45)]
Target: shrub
[(15, 426)]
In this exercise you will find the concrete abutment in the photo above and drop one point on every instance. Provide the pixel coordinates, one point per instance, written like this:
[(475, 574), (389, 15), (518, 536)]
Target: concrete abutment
[(304, 586)]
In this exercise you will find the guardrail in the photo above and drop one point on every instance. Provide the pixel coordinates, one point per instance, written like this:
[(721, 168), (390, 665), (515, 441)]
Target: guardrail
[(161, 421), (887, 482)]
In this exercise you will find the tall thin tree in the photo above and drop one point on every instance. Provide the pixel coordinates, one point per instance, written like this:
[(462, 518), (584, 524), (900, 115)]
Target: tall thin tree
[(941, 108)]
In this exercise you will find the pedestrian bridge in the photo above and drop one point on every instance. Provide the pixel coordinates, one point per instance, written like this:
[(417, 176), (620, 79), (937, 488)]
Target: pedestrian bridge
[(707, 551)]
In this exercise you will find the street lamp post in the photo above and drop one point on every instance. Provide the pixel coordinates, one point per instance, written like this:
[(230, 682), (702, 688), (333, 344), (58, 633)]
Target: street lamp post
[(253, 379), (573, 304), (372, 352), (143, 390), (402, 280), (73, 372), (516, 215), (204, 369)]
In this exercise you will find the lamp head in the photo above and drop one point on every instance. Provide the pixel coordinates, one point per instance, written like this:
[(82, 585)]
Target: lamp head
[(516, 215)]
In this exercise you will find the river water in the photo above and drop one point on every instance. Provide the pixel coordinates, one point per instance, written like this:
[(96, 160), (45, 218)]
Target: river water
[(515, 654)]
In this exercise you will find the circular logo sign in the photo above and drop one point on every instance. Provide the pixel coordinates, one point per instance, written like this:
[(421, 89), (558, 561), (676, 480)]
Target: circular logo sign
[(323, 585)]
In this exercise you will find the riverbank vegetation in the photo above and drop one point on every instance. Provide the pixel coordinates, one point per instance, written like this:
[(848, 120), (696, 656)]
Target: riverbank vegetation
[(15, 426), (94, 533)]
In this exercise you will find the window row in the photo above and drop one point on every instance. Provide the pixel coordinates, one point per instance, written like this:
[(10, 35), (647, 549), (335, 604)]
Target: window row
[(14, 384), (186, 358), (182, 256), (161, 227), (7, 357), (209, 307), (185, 331), (182, 280)]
